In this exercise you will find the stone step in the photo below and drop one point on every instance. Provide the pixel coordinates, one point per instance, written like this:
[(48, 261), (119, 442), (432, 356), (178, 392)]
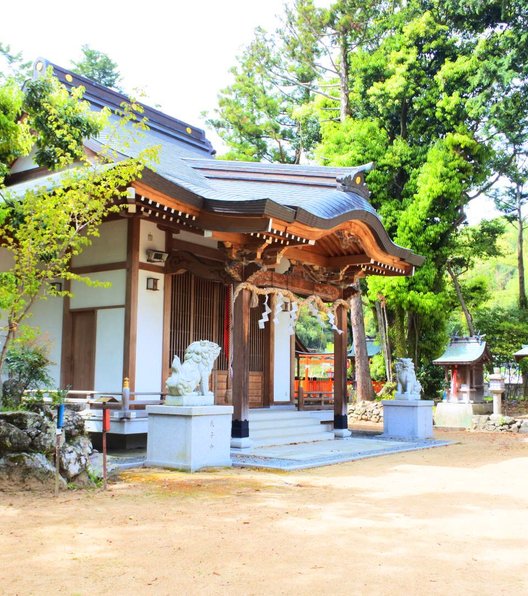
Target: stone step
[(283, 423), (285, 431), (279, 426), (271, 441), (274, 414)]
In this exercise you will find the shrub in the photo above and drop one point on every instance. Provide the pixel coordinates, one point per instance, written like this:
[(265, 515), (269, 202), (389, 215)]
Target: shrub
[(27, 368)]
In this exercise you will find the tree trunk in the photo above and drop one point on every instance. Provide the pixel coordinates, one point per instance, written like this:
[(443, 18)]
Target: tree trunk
[(343, 80), (458, 290), (523, 301), (398, 327), (364, 389), (381, 314)]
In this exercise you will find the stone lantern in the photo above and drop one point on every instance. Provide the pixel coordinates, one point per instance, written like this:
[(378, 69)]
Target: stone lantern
[(497, 387)]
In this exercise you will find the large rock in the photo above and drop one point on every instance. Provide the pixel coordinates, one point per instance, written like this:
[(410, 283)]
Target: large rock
[(75, 457), (27, 444), (12, 439), (27, 470), (38, 429), (73, 424)]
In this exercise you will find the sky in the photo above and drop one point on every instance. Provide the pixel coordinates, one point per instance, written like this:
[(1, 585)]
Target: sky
[(176, 52)]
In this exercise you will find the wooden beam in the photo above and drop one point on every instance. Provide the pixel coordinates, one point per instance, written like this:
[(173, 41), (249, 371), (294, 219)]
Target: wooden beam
[(101, 267), (155, 195), (151, 267), (131, 304), (295, 284), (214, 254), (240, 425), (305, 256), (230, 223)]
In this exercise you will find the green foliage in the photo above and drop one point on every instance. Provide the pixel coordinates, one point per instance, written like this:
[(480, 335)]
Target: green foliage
[(434, 92), (377, 368), (311, 333), (13, 66), (258, 116), (61, 121), (43, 227), (99, 67), (505, 330), (26, 364), (15, 134), (432, 379)]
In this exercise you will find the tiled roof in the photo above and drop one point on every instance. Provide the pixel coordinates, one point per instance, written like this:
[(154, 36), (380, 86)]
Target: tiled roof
[(316, 196), (464, 350)]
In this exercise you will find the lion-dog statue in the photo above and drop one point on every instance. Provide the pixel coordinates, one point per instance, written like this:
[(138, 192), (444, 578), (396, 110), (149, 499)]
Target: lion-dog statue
[(195, 370), (408, 386)]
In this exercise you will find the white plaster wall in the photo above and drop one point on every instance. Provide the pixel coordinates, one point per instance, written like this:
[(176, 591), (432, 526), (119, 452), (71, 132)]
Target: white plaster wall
[(150, 236), (149, 334), (46, 314), (109, 247), (24, 163), (282, 359), (109, 346), (6, 260), (91, 297)]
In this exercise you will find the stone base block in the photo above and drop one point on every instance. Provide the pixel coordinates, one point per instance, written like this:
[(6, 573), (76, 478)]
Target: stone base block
[(408, 419), (240, 443), (189, 437), (342, 433), (189, 400), (459, 415)]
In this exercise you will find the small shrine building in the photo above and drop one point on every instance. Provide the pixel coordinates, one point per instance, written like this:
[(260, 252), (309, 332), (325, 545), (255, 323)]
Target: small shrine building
[(463, 362)]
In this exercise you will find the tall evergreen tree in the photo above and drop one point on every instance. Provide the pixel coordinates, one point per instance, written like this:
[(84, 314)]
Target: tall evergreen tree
[(99, 67)]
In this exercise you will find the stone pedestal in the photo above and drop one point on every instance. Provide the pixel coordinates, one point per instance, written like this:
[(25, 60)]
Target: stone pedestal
[(189, 437), (189, 400), (459, 415), (408, 419)]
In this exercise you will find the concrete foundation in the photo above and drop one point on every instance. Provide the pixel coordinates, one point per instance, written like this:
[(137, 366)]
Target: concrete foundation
[(408, 419), (189, 437), (459, 415)]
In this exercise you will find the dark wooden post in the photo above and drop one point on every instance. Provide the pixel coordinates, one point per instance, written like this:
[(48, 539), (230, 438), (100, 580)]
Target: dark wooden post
[(240, 425), (340, 375), (269, 358)]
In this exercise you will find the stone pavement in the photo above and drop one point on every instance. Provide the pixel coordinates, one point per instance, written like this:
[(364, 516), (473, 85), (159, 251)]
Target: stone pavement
[(324, 453), (298, 456)]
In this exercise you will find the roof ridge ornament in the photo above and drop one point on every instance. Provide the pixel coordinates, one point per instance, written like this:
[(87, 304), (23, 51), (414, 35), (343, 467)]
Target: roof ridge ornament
[(353, 183), (354, 180)]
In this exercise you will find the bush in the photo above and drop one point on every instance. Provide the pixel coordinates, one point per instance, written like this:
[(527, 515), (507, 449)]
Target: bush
[(377, 368), (27, 368), (432, 379)]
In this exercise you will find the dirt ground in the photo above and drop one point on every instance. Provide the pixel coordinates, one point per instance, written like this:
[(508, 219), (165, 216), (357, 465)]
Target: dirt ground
[(450, 520)]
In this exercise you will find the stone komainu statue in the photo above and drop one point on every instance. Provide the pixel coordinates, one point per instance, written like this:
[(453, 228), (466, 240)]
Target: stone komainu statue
[(195, 370), (408, 386)]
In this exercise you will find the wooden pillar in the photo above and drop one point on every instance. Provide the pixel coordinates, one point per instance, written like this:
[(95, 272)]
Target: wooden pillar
[(269, 358), (340, 375), (166, 357), (240, 425), (131, 305), (292, 369)]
